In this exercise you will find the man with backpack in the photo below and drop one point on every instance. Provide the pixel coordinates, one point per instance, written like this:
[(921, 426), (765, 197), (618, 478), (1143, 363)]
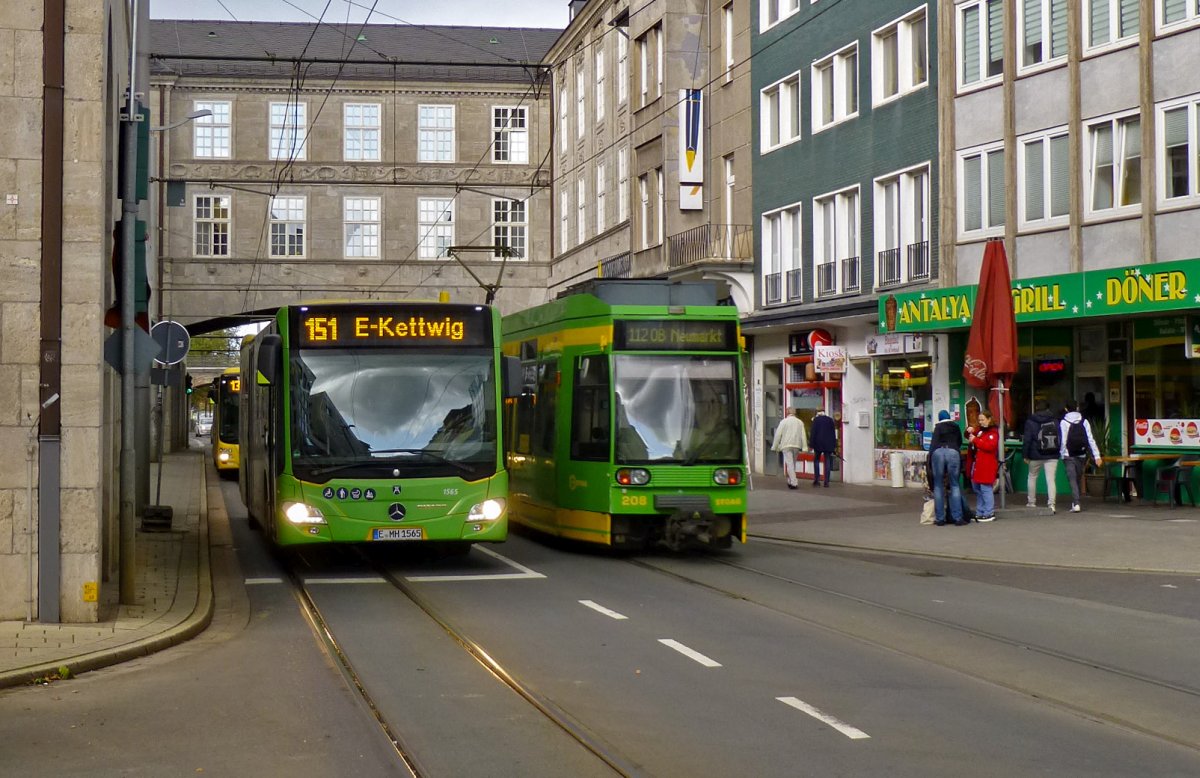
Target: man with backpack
[(1076, 435), (1041, 448)]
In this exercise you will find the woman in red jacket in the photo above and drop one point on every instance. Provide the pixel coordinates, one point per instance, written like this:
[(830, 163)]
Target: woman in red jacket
[(986, 444)]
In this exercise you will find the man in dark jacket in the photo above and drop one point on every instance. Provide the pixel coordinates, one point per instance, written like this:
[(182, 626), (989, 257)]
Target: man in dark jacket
[(824, 442), (1040, 447), (945, 458)]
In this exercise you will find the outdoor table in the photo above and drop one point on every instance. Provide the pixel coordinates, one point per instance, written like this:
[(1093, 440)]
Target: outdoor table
[(1134, 461)]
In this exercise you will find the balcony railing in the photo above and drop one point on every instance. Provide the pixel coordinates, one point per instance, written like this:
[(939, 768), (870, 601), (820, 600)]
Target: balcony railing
[(711, 243), (773, 283), (851, 277), (918, 261), (889, 267), (794, 291), (619, 266), (827, 278)]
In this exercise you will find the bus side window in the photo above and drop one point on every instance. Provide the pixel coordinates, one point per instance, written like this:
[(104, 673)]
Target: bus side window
[(590, 410)]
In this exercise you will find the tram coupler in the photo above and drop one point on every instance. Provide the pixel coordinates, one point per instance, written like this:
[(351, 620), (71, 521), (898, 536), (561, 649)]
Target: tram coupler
[(684, 529)]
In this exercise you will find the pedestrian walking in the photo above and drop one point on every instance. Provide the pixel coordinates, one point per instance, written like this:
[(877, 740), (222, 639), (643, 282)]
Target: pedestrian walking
[(824, 444), (946, 460), (1041, 446), (985, 442), (1075, 434), (790, 439)]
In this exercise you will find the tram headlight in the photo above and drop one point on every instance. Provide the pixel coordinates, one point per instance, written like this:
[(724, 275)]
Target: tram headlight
[(633, 476), (488, 510), (223, 455), (727, 476), (302, 513)]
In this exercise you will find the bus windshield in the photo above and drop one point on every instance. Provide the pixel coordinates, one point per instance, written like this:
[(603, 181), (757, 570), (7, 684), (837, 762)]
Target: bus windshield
[(424, 412), (227, 412), (680, 409)]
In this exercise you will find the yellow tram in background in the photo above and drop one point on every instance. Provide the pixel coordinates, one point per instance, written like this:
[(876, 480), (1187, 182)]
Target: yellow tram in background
[(225, 396)]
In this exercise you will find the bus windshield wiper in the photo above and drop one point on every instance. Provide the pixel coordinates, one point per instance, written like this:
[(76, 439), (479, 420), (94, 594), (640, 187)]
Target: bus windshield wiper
[(424, 452)]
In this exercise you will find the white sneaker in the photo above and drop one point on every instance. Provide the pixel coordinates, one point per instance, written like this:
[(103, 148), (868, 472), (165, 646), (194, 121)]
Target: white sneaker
[(1031, 504), (1075, 508), (1051, 507)]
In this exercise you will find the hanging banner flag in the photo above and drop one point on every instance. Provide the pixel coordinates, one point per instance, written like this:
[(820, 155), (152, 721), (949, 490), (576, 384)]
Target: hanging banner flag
[(691, 136)]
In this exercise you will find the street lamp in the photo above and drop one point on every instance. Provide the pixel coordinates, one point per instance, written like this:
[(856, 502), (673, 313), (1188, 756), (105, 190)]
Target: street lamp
[(180, 122)]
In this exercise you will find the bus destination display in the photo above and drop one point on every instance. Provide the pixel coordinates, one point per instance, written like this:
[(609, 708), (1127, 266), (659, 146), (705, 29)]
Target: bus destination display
[(383, 325), (667, 335)]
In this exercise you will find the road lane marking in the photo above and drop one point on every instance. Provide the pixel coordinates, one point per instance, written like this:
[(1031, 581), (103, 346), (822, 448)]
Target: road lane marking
[(257, 581), (362, 579), (602, 609), (851, 732), (524, 574), (689, 653)]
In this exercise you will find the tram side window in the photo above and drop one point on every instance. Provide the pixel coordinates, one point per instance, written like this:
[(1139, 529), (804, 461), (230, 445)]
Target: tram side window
[(547, 395), (590, 410), (522, 421)]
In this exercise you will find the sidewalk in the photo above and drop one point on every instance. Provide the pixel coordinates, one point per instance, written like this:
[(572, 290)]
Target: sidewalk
[(175, 595)]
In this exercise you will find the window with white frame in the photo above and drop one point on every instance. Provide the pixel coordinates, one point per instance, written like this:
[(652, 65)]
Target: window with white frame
[(508, 227), (288, 131), (564, 218), (1180, 12), (781, 249), (901, 57), (772, 12), (562, 120), (1179, 132), (581, 209), (644, 214), (980, 42), (212, 135), (622, 183), (779, 112), (211, 219), (360, 219), (288, 222), (645, 43), (658, 62), (730, 186), (660, 217), (435, 226), (901, 214), (1109, 21), (360, 125), (435, 133), (981, 189), (601, 185), (1044, 178), (836, 221), (600, 96), (1042, 31), (510, 136), (622, 68), (727, 40), (580, 96), (835, 88), (1114, 163)]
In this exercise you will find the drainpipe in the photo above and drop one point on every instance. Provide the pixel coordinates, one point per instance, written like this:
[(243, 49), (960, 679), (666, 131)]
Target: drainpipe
[(50, 363)]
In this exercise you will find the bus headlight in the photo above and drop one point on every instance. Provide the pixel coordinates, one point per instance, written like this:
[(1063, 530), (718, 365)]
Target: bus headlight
[(633, 476), (302, 513), (727, 476), (488, 510), (223, 455)]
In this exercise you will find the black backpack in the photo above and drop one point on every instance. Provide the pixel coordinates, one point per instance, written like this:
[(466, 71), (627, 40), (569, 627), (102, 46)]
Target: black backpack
[(1077, 444), (1047, 437)]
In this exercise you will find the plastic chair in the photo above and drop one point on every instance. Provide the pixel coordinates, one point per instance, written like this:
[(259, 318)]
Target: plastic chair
[(1172, 480), (1119, 478)]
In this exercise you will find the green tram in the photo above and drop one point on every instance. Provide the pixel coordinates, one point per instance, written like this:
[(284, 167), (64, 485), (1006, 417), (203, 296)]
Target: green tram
[(628, 431), (224, 433), (366, 422)]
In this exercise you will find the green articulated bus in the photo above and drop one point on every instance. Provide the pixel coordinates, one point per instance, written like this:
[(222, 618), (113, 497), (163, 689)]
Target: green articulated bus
[(364, 422), (629, 429)]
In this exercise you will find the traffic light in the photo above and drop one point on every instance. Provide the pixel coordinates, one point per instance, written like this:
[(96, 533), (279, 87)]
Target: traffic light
[(187, 383)]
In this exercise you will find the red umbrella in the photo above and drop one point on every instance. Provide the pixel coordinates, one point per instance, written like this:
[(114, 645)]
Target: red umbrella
[(991, 359)]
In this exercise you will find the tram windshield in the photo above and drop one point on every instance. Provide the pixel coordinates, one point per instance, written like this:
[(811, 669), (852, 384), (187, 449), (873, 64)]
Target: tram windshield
[(423, 412), (227, 414), (677, 409)]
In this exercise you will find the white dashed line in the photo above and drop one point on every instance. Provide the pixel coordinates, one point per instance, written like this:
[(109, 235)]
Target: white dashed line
[(258, 581), (689, 653), (602, 609), (525, 572), (847, 730), (351, 580)]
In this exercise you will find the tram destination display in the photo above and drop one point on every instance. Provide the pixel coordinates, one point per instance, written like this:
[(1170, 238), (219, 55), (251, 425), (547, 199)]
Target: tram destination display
[(385, 325)]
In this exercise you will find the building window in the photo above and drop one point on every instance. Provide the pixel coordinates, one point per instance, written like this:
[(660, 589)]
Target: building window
[(727, 40), (212, 225), (645, 46), (1044, 178), (835, 88), (1108, 21), (644, 198), (980, 42), (581, 209), (981, 189), (360, 123), (360, 217), (730, 184), (661, 220), (212, 135), (562, 120), (1042, 31), (580, 96), (901, 212), (781, 247), (564, 219), (835, 242), (901, 61), (622, 183), (772, 12), (1179, 125), (288, 226), (1114, 163), (435, 225), (780, 113), (622, 69), (287, 131), (600, 80), (510, 137), (508, 227), (1181, 12), (435, 133), (601, 170)]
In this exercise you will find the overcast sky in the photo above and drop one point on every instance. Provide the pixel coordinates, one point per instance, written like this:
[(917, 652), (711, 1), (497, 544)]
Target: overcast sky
[(475, 13)]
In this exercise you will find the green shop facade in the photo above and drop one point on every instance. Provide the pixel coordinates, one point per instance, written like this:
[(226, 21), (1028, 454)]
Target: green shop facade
[(1123, 342)]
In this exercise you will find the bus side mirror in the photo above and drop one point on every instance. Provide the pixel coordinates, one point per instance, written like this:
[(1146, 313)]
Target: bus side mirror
[(269, 363), (510, 375)]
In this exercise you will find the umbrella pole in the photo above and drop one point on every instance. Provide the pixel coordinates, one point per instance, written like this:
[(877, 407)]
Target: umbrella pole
[(1001, 453)]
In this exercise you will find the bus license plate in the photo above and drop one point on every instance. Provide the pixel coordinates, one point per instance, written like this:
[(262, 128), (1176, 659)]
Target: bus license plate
[(397, 533)]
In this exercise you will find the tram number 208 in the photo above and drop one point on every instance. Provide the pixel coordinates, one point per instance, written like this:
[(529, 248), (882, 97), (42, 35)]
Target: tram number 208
[(635, 500)]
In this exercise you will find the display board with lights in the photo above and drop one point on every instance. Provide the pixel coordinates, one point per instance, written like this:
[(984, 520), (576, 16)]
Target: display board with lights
[(669, 335), (376, 325)]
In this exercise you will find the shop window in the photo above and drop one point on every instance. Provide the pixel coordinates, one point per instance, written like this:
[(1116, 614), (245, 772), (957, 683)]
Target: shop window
[(903, 402), (1046, 372), (1166, 383)]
